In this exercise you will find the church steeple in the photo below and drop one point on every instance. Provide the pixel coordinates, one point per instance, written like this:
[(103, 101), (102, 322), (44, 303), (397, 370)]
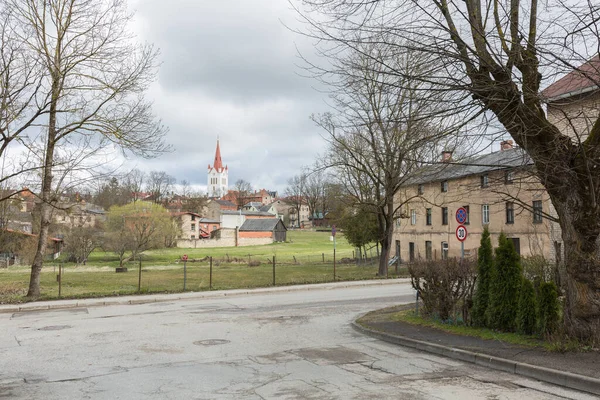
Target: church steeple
[(218, 164), (217, 184)]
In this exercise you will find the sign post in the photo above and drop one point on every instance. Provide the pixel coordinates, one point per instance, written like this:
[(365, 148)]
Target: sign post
[(333, 235), (461, 231)]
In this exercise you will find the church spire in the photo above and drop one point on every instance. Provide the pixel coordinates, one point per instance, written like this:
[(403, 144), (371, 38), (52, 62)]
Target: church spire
[(218, 164)]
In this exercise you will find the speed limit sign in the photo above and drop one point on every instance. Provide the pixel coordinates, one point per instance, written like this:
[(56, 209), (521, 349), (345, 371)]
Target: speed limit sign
[(461, 233)]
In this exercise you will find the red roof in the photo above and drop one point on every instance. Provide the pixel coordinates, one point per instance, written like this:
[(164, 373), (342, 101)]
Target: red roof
[(581, 80)]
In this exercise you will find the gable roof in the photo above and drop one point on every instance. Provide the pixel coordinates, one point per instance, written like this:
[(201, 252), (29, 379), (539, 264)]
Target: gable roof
[(261, 225), (511, 158), (584, 79), (243, 212), (225, 203), (254, 204), (265, 208)]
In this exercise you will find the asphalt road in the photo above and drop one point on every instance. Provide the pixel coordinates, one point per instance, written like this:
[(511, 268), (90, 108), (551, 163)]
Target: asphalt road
[(293, 345)]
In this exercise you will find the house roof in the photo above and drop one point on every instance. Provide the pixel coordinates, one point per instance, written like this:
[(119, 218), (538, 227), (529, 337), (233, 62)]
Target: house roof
[(511, 158), (209, 221), (584, 79), (218, 164), (242, 212), (265, 208), (177, 214), (225, 203), (261, 225), (254, 204)]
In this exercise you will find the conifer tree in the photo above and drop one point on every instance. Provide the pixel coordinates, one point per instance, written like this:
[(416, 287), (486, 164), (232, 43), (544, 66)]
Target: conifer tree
[(527, 313), (484, 271), (548, 308), (504, 286)]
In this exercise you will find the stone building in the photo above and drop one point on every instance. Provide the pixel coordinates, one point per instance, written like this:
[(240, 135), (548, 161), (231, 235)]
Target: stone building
[(498, 190)]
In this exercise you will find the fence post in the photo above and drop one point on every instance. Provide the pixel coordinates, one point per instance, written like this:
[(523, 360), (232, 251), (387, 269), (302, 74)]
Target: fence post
[(60, 279), (273, 270), (184, 274), (140, 275), (323, 254), (210, 276)]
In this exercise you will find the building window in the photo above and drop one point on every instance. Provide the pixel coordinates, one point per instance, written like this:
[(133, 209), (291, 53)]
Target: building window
[(413, 217), (508, 177), (193, 217), (428, 251), (444, 250), (467, 221), (537, 212), (517, 244), (444, 215), (420, 189), (485, 214), (397, 222), (193, 227), (484, 180), (193, 237), (444, 186), (428, 216), (510, 212)]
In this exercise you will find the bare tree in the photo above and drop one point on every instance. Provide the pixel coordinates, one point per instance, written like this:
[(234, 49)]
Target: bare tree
[(499, 56), (314, 186), (134, 182), (382, 132), (294, 195), (159, 184), (185, 188), (94, 76), (243, 190)]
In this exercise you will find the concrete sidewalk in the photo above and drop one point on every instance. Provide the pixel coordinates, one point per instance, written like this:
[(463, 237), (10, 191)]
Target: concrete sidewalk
[(152, 298), (576, 370)]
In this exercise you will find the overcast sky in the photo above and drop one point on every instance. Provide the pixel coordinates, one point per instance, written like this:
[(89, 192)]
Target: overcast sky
[(230, 70)]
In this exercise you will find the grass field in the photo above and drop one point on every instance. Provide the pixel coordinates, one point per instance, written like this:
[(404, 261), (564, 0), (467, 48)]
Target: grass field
[(299, 261)]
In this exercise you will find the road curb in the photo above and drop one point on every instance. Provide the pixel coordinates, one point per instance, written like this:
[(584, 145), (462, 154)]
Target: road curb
[(155, 298), (561, 378)]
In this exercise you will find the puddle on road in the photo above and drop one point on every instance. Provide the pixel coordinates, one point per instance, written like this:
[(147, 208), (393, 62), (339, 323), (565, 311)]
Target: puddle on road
[(54, 328), (211, 342)]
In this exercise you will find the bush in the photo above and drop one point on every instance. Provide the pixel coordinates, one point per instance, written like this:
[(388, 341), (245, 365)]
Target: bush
[(527, 312), (442, 284), (548, 308), (484, 270), (504, 287)]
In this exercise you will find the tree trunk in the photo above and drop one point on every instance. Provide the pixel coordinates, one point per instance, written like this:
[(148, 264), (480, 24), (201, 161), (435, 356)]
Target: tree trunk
[(580, 233), (386, 218), (46, 195)]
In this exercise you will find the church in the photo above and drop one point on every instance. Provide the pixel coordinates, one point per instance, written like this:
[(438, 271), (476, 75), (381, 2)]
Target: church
[(218, 176)]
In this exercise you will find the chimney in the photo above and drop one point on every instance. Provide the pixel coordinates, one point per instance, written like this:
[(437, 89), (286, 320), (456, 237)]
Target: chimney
[(446, 155), (506, 145)]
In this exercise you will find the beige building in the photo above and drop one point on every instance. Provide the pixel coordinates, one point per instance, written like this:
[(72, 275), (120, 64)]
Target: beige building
[(497, 190)]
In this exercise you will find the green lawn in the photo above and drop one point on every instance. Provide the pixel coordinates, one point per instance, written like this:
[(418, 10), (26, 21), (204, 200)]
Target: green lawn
[(304, 247), (162, 271)]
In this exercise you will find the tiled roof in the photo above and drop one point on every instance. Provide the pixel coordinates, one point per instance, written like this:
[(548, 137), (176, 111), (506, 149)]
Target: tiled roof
[(225, 203), (475, 165), (584, 79), (265, 208), (260, 225), (243, 212), (209, 221)]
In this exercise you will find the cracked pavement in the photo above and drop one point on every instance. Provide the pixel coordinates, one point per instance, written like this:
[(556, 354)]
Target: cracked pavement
[(286, 345)]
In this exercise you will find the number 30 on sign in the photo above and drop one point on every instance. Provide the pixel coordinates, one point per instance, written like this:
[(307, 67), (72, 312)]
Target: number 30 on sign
[(461, 233)]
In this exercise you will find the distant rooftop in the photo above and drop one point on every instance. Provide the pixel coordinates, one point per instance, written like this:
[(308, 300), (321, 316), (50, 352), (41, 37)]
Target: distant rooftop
[(582, 80), (504, 159)]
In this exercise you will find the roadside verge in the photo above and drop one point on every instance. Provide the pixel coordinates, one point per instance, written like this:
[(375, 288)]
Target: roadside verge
[(562, 378)]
